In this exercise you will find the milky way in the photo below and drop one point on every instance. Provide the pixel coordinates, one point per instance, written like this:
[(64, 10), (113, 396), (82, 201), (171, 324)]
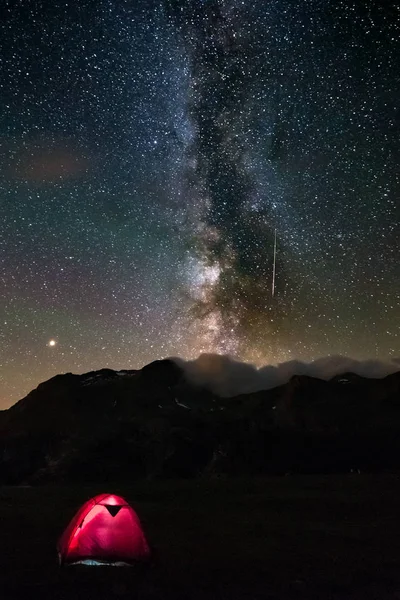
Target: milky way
[(235, 243), (150, 149)]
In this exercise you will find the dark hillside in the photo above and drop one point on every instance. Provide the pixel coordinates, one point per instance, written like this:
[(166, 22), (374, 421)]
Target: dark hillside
[(154, 423)]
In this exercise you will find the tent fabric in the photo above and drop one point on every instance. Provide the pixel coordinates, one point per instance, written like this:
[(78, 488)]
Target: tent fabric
[(105, 530)]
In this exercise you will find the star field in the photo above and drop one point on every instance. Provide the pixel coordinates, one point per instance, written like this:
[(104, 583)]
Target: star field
[(148, 152)]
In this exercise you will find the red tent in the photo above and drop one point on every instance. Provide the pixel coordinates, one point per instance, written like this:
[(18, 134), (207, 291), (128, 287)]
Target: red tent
[(106, 530)]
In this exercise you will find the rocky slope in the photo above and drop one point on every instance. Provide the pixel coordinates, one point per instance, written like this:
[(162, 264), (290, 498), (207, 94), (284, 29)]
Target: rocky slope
[(153, 423)]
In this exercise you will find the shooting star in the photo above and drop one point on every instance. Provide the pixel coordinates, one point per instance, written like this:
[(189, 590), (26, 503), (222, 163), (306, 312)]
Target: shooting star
[(274, 267)]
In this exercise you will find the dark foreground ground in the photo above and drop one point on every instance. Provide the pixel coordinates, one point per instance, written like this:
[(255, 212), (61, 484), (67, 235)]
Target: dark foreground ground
[(291, 537)]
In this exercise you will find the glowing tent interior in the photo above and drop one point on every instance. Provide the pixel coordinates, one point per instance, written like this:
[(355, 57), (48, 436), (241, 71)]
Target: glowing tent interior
[(106, 530)]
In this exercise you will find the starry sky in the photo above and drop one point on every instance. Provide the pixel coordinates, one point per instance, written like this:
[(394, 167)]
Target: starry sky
[(149, 151)]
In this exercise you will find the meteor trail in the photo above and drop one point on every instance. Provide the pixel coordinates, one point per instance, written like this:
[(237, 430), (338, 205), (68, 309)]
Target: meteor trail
[(274, 267)]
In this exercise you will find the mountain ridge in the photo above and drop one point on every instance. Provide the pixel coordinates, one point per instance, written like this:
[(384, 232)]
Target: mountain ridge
[(153, 422)]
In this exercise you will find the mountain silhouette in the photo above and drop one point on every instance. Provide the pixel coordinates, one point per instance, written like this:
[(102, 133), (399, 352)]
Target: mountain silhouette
[(153, 422)]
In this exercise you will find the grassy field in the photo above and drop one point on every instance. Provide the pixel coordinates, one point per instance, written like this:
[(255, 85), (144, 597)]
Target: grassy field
[(291, 537)]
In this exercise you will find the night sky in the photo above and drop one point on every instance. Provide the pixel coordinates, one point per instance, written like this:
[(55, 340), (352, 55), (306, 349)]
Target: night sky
[(149, 150)]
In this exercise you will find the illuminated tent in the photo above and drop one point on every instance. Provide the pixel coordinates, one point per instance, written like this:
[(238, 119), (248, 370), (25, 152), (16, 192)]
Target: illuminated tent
[(106, 530)]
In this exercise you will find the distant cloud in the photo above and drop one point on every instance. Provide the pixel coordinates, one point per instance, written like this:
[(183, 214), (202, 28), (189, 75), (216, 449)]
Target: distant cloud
[(45, 161), (227, 377)]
